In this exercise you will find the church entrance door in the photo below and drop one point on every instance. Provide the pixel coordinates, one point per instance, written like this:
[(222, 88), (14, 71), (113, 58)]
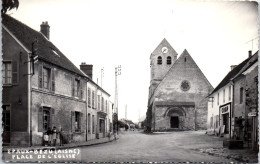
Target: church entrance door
[(174, 122)]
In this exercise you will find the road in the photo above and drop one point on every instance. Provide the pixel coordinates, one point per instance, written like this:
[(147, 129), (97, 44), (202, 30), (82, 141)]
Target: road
[(136, 146), (166, 147)]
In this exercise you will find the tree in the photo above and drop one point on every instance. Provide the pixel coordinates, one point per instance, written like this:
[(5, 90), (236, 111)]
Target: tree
[(9, 5)]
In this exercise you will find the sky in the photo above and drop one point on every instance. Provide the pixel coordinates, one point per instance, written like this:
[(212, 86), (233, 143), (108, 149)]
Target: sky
[(109, 33)]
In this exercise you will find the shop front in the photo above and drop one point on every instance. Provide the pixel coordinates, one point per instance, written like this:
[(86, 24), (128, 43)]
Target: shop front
[(252, 129), (225, 120)]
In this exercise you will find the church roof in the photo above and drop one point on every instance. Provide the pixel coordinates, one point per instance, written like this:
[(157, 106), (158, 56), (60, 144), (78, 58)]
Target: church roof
[(184, 53)]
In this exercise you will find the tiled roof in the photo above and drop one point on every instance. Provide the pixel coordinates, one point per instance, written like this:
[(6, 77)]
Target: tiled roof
[(250, 62), (235, 71), (46, 50)]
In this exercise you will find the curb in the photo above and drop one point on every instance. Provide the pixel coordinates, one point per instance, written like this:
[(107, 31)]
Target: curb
[(57, 148)]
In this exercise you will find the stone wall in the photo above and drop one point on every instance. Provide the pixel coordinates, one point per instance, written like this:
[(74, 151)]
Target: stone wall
[(158, 71), (170, 90), (60, 117), (62, 103), (252, 90), (186, 121), (239, 108)]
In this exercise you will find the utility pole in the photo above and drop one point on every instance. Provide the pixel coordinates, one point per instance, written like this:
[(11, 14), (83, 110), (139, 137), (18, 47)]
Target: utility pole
[(117, 73), (102, 75), (139, 115), (126, 112)]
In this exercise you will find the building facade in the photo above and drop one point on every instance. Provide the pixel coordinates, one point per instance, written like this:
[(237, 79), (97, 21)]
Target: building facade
[(177, 92), (246, 103), (233, 104), (42, 89)]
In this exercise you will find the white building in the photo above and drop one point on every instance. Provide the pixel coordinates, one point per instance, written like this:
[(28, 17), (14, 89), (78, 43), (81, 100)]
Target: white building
[(220, 106)]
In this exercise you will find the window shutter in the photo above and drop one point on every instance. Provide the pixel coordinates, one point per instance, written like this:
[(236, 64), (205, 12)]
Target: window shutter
[(52, 115), (40, 76), (40, 120), (14, 72), (81, 89), (72, 86), (81, 121), (72, 121), (52, 80)]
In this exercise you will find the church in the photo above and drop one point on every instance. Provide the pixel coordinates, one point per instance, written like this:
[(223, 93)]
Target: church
[(178, 91)]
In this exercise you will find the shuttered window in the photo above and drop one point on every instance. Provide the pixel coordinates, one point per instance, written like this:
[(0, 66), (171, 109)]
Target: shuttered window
[(77, 87), (46, 118), (229, 93), (224, 95), (89, 97), (53, 80), (40, 119), (72, 121), (46, 78), (106, 106), (218, 99), (40, 76), (72, 87), (93, 99), (102, 104), (89, 123), (81, 90), (98, 102), (93, 124), (76, 119)]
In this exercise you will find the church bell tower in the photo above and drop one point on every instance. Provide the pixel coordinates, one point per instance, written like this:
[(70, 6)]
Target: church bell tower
[(161, 60)]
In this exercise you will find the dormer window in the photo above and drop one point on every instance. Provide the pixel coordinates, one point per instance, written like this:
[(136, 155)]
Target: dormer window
[(54, 51), (169, 60), (159, 60)]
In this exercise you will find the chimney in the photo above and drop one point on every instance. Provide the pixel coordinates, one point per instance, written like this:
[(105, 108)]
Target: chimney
[(232, 67), (45, 29), (87, 69), (249, 53)]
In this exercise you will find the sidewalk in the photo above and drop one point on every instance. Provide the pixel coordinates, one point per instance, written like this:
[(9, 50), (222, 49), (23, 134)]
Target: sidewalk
[(65, 146)]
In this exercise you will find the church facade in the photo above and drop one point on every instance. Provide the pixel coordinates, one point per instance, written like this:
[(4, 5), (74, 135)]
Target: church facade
[(178, 91)]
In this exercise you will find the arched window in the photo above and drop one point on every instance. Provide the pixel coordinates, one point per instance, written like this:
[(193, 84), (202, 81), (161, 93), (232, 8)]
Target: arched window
[(159, 60), (169, 60)]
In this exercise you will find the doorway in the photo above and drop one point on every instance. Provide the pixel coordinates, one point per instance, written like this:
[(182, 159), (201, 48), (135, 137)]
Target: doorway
[(174, 122), (102, 127), (6, 122), (226, 122)]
